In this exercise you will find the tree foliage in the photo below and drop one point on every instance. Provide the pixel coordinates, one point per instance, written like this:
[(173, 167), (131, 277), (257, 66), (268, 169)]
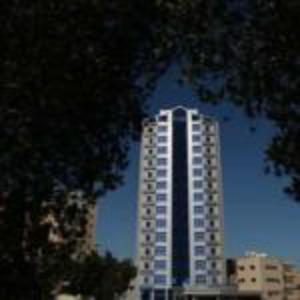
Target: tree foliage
[(75, 77), (103, 277)]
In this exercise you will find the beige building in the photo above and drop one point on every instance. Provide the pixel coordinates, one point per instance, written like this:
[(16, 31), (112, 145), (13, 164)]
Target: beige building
[(87, 243), (270, 276), (291, 282)]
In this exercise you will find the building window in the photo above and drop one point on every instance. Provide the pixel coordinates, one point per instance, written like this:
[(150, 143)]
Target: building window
[(253, 279), (196, 127), (148, 237), (241, 268), (198, 197), (195, 117), (199, 250), (161, 197), (150, 175), (198, 184), (148, 198), (161, 223), (161, 185), (197, 160), (161, 173), (200, 279), (198, 223), (162, 139), (161, 161), (199, 236), (148, 224), (150, 163), (148, 211), (213, 251), (252, 267), (147, 251), (161, 237), (160, 279), (160, 250), (197, 172), (146, 266), (162, 150), (200, 265), (213, 265), (212, 237), (198, 209), (162, 128), (163, 118), (196, 138), (197, 149), (161, 210), (160, 264)]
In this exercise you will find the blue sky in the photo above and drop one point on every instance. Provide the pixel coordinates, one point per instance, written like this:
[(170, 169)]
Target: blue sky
[(258, 215)]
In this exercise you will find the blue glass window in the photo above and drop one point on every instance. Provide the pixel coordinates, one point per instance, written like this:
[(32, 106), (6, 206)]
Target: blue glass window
[(161, 210), (163, 118), (199, 250), (197, 160), (162, 139), (161, 161), (161, 173), (160, 250), (198, 209), (161, 197), (200, 265), (197, 149), (199, 236), (198, 196), (201, 279), (162, 150), (161, 236), (196, 127), (160, 279), (197, 172), (196, 138), (160, 264), (162, 128), (161, 184), (198, 184), (161, 223), (198, 222)]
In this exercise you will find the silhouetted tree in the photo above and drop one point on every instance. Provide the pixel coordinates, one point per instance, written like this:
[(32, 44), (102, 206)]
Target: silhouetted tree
[(103, 277)]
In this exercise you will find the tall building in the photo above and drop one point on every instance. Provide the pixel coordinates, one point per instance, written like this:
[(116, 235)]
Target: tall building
[(180, 213)]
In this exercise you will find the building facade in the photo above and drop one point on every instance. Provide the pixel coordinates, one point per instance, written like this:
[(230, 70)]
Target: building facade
[(272, 277), (180, 207)]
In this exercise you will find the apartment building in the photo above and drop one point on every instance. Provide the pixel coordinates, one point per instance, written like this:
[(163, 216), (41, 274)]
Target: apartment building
[(180, 213), (272, 277)]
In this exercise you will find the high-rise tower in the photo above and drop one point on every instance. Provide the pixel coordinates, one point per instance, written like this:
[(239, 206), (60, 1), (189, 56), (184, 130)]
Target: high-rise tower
[(180, 214)]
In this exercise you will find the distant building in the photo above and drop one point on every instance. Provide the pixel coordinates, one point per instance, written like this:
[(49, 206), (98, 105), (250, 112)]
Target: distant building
[(272, 277), (85, 244), (180, 214)]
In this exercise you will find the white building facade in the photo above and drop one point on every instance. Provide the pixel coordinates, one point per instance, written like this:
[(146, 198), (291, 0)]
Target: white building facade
[(180, 207)]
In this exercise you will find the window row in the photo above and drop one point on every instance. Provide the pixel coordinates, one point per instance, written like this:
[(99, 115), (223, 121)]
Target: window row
[(202, 250), (162, 197)]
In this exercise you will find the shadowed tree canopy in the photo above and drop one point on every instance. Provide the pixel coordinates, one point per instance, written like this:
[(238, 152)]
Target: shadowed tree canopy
[(75, 77), (103, 277)]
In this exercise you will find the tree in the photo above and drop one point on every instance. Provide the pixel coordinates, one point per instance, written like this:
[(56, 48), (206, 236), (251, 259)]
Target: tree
[(103, 277), (75, 76)]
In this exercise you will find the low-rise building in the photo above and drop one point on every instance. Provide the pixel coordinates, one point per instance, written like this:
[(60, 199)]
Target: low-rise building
[(270, 276)]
